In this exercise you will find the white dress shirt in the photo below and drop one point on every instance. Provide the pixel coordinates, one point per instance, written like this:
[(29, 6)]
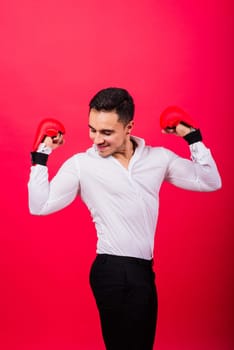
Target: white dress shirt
[(123, 202)]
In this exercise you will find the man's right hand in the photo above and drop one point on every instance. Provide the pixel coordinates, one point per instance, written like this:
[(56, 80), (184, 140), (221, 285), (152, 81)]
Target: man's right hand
[(49, 136), (54, 142), (50, 132)]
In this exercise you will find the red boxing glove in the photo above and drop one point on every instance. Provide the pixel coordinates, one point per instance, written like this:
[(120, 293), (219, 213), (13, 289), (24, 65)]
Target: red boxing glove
[(47, 127), (172, 116)]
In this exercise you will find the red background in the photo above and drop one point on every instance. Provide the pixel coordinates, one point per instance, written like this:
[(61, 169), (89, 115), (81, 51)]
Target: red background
[(54, 55)]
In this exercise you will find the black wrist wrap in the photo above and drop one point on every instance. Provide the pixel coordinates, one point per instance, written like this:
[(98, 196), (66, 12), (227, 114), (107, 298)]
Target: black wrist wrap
[(193, 136), (39, 158)]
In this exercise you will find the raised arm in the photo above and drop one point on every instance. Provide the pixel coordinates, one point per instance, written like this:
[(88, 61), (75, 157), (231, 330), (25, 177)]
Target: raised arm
[(198, 174), (47, 197)]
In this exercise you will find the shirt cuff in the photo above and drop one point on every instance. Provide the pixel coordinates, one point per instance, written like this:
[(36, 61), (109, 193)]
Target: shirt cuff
[(193, 136)]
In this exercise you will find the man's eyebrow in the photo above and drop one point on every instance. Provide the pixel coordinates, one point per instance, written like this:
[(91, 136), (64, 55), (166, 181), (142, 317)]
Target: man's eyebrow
[(91, 127)]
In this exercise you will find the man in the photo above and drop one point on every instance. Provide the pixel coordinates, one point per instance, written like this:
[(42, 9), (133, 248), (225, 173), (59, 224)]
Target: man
[(119, 179)]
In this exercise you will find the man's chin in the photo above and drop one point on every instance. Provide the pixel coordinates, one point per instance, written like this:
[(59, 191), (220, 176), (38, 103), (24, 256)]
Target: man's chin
[(104, 153)]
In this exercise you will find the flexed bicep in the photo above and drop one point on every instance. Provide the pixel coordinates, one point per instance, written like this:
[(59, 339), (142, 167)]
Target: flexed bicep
[(48, 197), (198, 174)]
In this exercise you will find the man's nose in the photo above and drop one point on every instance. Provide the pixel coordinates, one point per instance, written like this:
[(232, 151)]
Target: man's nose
[(98, 139)]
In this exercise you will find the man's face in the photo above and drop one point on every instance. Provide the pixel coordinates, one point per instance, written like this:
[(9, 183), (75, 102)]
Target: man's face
[(107, 133)]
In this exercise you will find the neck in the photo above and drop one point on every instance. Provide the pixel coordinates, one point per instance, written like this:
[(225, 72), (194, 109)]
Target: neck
[(127, 151)]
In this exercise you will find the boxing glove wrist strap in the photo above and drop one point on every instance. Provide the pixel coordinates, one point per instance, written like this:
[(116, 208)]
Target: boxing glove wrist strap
[(39, 158), (193, 136)]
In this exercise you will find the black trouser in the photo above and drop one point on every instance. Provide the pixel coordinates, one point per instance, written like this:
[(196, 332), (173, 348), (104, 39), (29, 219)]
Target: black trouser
[(126, 298)]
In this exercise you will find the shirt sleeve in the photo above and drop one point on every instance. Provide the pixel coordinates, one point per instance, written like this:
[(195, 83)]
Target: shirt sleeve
[(198, 174), (48, 197)]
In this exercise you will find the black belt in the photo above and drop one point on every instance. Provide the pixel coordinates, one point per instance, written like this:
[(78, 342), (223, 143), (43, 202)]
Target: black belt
[(125, 259)]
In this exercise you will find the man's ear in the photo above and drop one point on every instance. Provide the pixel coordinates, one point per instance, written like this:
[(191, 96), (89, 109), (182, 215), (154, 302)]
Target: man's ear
[(129, 126)]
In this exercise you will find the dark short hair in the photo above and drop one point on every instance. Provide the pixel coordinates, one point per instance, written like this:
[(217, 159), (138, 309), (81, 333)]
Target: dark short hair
[(114, 99)]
